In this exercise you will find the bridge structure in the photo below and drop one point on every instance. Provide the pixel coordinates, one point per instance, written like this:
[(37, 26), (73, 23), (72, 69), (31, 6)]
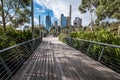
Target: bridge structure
[(50, 59)]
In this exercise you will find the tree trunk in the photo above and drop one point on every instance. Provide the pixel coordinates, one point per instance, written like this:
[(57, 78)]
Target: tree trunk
[(91, 21), (119, 30), (3, 17)]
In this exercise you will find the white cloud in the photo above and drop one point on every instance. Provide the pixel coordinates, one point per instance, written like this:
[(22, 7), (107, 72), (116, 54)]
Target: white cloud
[(36, 21), (38, 10), (62, 7)]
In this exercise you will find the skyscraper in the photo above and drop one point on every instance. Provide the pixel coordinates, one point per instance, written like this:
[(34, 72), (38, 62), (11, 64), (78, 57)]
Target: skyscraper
[(68, 21), (63, 21), (48, 22), (69, 17), (70, 13), (55, 23)]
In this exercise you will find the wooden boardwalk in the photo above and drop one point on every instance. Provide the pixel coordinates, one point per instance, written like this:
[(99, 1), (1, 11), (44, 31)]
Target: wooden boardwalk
[(54, 60)]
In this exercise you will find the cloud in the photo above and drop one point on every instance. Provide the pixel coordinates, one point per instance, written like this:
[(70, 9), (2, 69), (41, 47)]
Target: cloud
[(62, 7), (39, 10), (36, 20)]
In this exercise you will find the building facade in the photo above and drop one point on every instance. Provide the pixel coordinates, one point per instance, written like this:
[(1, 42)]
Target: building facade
[(48, 22), (63, 21), (68, 21), (77, 22), (55, 23), (70, 13)]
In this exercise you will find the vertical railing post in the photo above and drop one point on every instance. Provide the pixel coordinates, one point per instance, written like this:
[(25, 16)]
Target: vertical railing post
[(6, 67), (101, 54), (17, 53), (69, 41), (31, 45), (26, 49), (36, 43), (90, 44), (81, 45)]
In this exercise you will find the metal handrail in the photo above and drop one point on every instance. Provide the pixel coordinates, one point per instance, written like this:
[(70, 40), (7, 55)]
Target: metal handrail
[(86, 47), (13, 57), (17, 45), (104, 44)]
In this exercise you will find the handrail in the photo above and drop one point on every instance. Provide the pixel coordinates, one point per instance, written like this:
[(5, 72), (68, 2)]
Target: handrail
[(107, 54), (17, 45), (13, 57), (105, 44)]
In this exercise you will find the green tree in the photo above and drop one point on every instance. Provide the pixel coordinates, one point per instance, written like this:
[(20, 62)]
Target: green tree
[(108, 9), (14, 11), (88, 6)]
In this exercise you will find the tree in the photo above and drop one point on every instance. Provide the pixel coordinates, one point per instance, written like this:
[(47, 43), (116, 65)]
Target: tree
[(14, 11), (108, 9), (88, 6)]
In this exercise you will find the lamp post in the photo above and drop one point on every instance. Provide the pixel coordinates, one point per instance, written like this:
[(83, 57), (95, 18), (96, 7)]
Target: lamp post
[(32, 18)]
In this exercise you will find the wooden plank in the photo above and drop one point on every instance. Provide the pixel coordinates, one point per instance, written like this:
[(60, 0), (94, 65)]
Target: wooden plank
[(54, 60)]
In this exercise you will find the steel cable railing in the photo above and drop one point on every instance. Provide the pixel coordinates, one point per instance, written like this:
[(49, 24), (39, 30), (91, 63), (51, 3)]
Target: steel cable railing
[(13, 57), (107, 54)]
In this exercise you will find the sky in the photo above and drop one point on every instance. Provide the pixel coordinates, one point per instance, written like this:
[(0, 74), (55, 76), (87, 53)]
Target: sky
[(56, 8)]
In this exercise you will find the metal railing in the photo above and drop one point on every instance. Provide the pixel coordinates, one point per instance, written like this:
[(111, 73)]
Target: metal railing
[(13, 57), (107, 54)]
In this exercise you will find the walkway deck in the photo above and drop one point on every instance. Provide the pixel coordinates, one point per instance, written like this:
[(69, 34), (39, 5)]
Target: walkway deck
[(54, 60)]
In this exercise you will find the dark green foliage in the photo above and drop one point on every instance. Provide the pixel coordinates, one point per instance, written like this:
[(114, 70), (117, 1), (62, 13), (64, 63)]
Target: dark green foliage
[(12, 36)]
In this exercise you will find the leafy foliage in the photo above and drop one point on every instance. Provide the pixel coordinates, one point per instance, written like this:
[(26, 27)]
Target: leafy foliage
[(108, 9), (15, 12), (12, 36)]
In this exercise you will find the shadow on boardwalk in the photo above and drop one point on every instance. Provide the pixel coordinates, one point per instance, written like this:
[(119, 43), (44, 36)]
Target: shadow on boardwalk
[(54, 60)]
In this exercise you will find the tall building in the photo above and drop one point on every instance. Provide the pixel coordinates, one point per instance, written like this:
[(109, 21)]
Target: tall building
[(77, 22), (69, 17), (68, 21), (70, 13), (63, 21), (48, 22), (55, 23)]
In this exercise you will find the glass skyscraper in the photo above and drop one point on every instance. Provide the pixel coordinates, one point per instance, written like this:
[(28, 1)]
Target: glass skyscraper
[(63, 20), (48, 22)]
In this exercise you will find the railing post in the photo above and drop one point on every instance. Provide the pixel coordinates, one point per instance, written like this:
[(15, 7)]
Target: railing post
[(81, 45), (101, 53), (69, 41), (34, 44), (31, 46), (17, 53), (6, 67), (89, 48), (26, 49), (39, 41)]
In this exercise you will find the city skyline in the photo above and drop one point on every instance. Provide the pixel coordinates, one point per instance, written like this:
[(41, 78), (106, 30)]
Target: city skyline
[(56, 8)]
